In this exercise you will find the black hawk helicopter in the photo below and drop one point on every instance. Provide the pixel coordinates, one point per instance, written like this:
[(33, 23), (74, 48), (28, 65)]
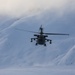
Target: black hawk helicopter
[(41, 37)]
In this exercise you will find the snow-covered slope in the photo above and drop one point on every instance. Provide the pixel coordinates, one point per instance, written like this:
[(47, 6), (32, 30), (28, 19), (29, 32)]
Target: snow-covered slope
[(69, 57), (17, 50)]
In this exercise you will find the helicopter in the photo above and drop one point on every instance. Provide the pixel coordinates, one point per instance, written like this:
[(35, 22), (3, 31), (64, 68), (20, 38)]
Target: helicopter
[(41, 37)]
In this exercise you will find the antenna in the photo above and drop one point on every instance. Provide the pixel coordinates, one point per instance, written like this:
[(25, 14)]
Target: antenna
[(41, 30), (41, 26)]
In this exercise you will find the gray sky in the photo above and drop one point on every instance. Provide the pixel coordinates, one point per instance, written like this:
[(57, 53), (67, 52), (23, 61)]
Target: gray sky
[(21, 7)]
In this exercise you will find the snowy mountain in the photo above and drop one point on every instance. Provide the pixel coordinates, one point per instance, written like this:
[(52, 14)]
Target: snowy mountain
[(17, 50), (69, 57)]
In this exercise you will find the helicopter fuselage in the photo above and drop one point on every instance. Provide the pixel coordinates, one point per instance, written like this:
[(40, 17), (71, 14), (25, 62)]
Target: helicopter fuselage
[(41, 39)]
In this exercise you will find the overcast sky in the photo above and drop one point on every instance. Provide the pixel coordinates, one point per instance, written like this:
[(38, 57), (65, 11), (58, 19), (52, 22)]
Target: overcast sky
[(21, 7)]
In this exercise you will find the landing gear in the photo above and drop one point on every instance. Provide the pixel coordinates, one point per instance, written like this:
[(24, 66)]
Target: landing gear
[(33, 39), (50, 41)]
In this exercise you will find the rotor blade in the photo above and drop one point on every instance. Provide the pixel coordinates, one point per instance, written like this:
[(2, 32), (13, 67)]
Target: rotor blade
[(25, 30), (55, 34)]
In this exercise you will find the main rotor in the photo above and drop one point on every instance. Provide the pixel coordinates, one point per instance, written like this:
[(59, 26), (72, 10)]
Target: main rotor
[(41, 31)]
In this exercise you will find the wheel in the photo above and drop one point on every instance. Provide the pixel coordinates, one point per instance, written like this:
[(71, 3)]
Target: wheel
[(36, 44), (34, 39), (47, 40), (50, 41), (31, 41), (44, 44)]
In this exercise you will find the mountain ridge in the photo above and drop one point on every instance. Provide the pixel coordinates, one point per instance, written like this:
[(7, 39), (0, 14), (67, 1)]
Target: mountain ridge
[(16, 48)]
